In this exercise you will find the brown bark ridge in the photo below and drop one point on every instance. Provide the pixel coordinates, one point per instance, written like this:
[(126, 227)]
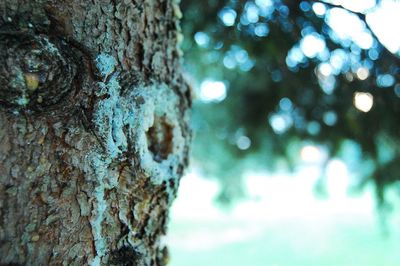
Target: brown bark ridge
[(94, 130)]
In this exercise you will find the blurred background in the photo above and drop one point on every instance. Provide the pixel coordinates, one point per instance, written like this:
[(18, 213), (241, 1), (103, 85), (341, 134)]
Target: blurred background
[(296, 149)]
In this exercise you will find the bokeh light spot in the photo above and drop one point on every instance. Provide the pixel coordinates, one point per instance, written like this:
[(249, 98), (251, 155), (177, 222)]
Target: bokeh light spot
[(212, 91), (363, 101)]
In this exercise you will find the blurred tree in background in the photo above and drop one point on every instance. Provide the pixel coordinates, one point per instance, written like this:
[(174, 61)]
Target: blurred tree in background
[(273, 76)]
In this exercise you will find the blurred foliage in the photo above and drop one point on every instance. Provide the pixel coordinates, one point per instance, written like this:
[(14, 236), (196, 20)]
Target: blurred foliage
[(281, 95)]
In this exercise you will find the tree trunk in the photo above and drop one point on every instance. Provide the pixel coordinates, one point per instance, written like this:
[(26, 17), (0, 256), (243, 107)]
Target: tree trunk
[(93, 130)]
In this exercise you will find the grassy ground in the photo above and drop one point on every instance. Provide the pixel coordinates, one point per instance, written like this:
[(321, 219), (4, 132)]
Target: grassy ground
[(271, 231)]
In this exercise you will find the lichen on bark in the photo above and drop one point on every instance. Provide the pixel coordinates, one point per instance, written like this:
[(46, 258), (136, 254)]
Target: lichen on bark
[(89, 178)]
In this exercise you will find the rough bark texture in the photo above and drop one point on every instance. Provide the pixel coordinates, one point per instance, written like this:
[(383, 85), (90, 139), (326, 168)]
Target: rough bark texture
[(93, 130)]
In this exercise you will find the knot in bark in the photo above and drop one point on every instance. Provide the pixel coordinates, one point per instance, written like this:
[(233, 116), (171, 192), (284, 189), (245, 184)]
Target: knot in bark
[(35, 71)]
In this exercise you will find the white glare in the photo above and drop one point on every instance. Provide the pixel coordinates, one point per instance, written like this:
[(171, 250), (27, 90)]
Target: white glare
[(201, 193), (212, 91), (311, 154), (348, 26), (312, 45), (319, 9), (363, 101), (337, 182), (362, 73), (385, 21), (325, 69), (356, 5)]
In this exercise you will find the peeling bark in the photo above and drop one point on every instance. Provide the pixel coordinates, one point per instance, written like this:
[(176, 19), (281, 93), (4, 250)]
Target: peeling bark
[(93, 130)]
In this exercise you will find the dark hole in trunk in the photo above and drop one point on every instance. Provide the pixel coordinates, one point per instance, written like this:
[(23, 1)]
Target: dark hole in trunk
[(159, 139)]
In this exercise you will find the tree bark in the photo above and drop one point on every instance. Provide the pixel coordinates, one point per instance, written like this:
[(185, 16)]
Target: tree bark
[(93, 130)]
